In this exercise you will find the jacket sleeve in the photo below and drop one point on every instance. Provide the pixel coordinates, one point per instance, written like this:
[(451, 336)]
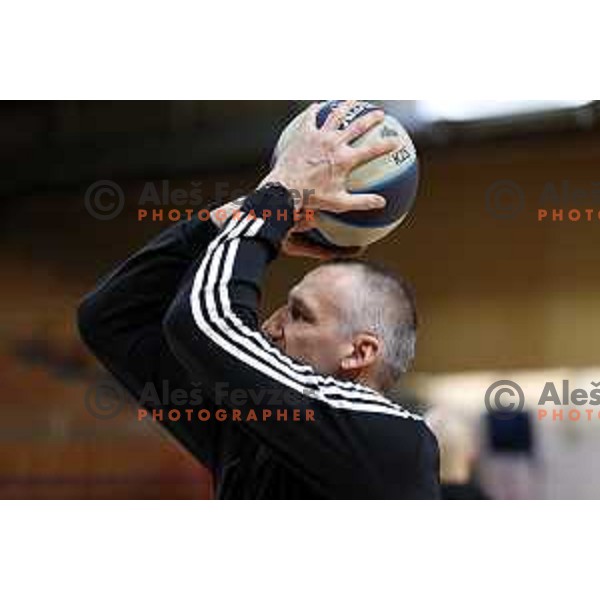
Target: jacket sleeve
[(349, 441), (121, 322)]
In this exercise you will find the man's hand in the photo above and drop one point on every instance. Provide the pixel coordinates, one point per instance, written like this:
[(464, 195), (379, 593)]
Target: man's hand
[(296, 245), (321, 160)]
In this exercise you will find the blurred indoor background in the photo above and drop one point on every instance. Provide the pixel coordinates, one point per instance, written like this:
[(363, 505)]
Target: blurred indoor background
[(499, 297)]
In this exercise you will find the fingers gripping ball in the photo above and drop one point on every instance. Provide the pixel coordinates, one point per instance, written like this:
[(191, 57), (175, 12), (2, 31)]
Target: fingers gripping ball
[(394, 176)]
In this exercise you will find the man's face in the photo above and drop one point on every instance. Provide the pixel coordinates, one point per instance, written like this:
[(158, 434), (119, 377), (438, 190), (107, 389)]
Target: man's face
[(309, 327)]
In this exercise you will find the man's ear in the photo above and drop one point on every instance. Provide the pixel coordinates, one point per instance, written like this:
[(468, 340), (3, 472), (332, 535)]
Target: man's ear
[(365, 349)]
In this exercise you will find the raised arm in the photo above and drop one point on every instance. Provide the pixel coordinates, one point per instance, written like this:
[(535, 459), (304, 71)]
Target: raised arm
[(121, 322)]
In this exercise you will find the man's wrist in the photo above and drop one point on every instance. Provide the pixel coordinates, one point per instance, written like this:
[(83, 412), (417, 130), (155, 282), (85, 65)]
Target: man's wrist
[(276, 179), (221, 214), (268, 187)]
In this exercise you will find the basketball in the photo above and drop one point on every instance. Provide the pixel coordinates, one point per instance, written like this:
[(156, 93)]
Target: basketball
[(394, 176)]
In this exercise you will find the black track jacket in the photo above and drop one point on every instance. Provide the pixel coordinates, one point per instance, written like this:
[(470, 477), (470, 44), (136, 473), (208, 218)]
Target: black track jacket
[(183, 310)]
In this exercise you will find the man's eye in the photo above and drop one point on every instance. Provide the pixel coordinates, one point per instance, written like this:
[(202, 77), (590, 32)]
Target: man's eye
[(295, 313)]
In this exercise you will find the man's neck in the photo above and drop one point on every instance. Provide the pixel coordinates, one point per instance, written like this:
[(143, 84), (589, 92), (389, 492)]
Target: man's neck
[(362, 379)]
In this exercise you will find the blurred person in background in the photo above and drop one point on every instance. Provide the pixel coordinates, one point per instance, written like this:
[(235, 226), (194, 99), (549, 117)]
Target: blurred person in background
[(458, 454)]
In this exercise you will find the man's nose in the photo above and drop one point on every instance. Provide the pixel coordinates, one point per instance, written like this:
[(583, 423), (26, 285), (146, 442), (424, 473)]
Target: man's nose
[(273, 326)]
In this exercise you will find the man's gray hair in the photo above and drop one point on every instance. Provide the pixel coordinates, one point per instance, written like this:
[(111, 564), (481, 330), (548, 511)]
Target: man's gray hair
[(383, 304)]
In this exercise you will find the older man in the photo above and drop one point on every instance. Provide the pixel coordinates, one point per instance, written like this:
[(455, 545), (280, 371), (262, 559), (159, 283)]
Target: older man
[(184, 309)]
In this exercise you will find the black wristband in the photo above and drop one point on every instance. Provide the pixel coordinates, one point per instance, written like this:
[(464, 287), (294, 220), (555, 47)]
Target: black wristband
[(274, 204), (269, 196)]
